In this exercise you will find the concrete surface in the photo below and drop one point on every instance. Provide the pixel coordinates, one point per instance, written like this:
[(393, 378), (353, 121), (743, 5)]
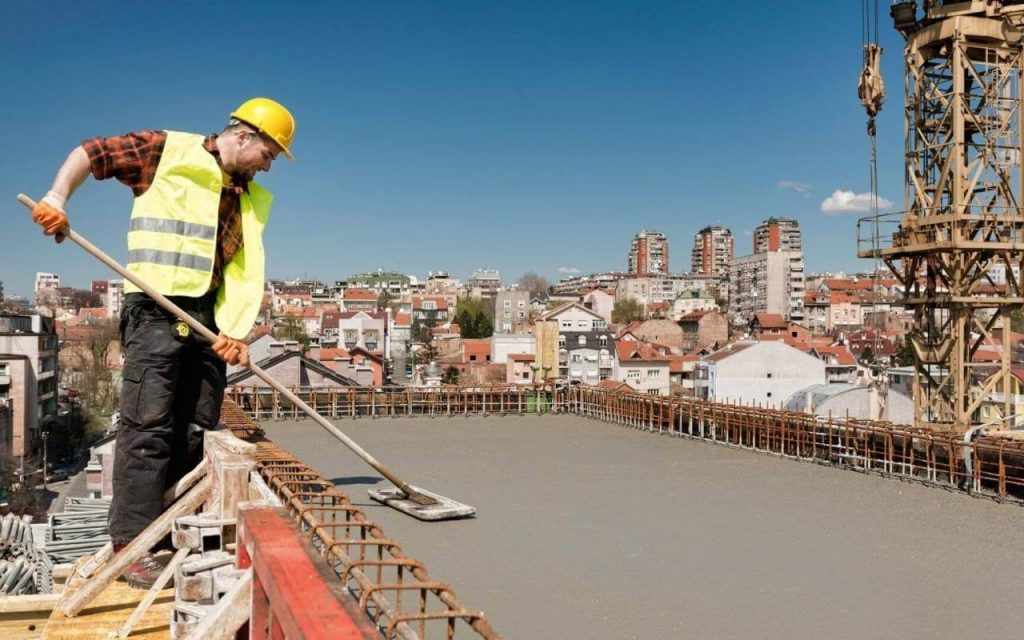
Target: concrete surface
[(591, 530)]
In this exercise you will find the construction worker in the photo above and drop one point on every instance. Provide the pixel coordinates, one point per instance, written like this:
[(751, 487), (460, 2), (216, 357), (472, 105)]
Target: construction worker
[(195, 235)]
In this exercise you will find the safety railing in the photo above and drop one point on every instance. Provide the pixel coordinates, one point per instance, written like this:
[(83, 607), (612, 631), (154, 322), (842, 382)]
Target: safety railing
[(991, 466)]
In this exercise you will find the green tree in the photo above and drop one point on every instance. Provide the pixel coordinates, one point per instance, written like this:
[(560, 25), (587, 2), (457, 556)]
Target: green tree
[(292, 328), (904, 353), (627, 310), (473, 318), (383, 300), (867, 356), (451, 375)]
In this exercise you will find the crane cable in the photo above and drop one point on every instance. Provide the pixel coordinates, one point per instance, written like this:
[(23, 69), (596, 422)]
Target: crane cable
[(871, 91)]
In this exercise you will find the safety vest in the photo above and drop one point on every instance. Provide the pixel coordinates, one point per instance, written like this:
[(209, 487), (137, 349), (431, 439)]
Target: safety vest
[(172, 239)]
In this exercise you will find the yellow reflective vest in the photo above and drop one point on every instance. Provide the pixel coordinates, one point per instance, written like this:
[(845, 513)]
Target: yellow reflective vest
[(172, 239)]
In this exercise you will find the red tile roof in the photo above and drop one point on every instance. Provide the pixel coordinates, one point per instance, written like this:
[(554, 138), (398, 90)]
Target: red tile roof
[(634, 350), (479, 347), (403, 319), (839, 353), (771, 321), (440, 302), (522, 357), (613, 385), (359, 294)]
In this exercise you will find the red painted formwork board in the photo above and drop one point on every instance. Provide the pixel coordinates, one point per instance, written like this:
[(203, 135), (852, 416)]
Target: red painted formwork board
[(302, 598)]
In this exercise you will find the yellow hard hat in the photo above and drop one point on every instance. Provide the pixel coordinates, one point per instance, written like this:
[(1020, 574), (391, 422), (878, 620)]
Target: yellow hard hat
[(271, 118)]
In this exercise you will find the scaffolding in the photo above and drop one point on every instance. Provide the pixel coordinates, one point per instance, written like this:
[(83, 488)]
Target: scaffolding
[(957, 248)]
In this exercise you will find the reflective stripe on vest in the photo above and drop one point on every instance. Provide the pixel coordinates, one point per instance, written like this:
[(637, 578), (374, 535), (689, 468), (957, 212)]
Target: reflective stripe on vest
[(171, 258), (172, 237), (205, 231)]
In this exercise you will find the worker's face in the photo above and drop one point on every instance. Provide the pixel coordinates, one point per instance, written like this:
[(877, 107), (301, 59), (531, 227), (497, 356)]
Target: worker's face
[(255, 153)]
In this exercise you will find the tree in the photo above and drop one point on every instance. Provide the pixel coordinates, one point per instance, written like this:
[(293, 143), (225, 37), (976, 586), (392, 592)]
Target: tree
[(904, 354), (627, 310), (533, 283), (292, 328), (867, 356), (473, 318), (383, 300), (81, 299), (450, 375)]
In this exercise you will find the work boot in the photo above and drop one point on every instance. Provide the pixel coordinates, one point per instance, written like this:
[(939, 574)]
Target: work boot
[(142, 573)]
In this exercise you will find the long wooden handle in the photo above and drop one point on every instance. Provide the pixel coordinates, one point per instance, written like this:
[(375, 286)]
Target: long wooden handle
[(162, 300)]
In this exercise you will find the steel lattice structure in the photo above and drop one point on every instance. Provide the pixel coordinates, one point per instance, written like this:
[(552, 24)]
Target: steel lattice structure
[(959, 245)]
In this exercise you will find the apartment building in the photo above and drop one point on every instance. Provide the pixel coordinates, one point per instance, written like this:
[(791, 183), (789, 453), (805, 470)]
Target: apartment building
[(778, 234), (511, 307), (713, 251), (648, 253), (29, 372), (767, 282)]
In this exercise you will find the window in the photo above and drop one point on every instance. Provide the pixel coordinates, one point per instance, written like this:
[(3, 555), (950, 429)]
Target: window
[(654, 392), (769, 394), (561, 340), (583, 340), (633, 374), (508, 304), (566, 324), (653, 373), (769, 375), (604, 343), (522, 304), (576, 357)]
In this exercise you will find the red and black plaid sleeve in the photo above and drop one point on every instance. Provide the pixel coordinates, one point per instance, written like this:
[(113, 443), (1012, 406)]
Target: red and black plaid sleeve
[(131, 158)]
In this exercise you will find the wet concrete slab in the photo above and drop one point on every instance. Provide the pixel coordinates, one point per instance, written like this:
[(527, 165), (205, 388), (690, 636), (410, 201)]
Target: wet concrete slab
[(591, 530)]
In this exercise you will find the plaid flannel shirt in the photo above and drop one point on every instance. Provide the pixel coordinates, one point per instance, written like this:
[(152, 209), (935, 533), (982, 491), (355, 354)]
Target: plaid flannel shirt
[(133, 159)]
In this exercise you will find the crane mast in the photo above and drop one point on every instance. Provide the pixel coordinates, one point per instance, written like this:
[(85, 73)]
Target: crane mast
[(958, 246)]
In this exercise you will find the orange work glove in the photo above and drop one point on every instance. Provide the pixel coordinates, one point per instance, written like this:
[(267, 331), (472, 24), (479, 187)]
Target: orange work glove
[(231, 351), (52, 219)]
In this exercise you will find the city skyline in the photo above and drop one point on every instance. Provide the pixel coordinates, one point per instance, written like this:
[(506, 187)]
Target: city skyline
[(444, 129)]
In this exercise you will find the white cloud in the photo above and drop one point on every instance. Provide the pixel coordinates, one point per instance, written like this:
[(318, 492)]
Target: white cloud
[(748, 232), (568, 270), (847, 201), (799, 187)]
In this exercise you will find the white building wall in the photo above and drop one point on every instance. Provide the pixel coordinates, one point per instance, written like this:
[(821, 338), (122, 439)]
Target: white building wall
[(504, 344), (765, 373)]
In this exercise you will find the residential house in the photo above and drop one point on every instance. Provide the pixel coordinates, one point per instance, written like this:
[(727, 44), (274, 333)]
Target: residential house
[(504, 345), (430, 310), (681, 374), (519, 368), (703, 329), (600, 301), (511, 308), (359, 300), (642, 367), (290, 367), (573, 316), (586, 356), (693, 300), (663, 332), (29, 371), (400, 333), (360, 365), (367, 330), (764, 373), (816, 311), (840, 365), (844, 311), (771, 326)]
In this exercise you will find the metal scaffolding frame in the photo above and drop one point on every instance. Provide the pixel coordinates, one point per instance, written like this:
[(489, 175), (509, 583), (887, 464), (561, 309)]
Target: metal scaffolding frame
[(958, 247)]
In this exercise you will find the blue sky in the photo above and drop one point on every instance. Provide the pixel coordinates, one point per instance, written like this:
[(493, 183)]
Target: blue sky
[(525, 136)]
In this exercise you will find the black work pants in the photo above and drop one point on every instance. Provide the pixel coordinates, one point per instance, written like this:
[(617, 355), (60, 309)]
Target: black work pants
[(172, 390)]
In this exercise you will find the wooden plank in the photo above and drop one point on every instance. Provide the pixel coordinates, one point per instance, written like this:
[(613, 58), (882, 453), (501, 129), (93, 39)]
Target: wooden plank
[(108, 611), (29, 603)]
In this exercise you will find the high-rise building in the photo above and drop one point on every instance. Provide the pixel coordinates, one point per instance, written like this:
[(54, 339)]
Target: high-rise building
[(47, 281), (712, 251), (484, 283), (767, 282), (648, 253), (778, 234)]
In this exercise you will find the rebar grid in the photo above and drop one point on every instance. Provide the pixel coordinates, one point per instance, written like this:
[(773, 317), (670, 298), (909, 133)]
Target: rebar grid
[(399, 596), (932, 457)]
